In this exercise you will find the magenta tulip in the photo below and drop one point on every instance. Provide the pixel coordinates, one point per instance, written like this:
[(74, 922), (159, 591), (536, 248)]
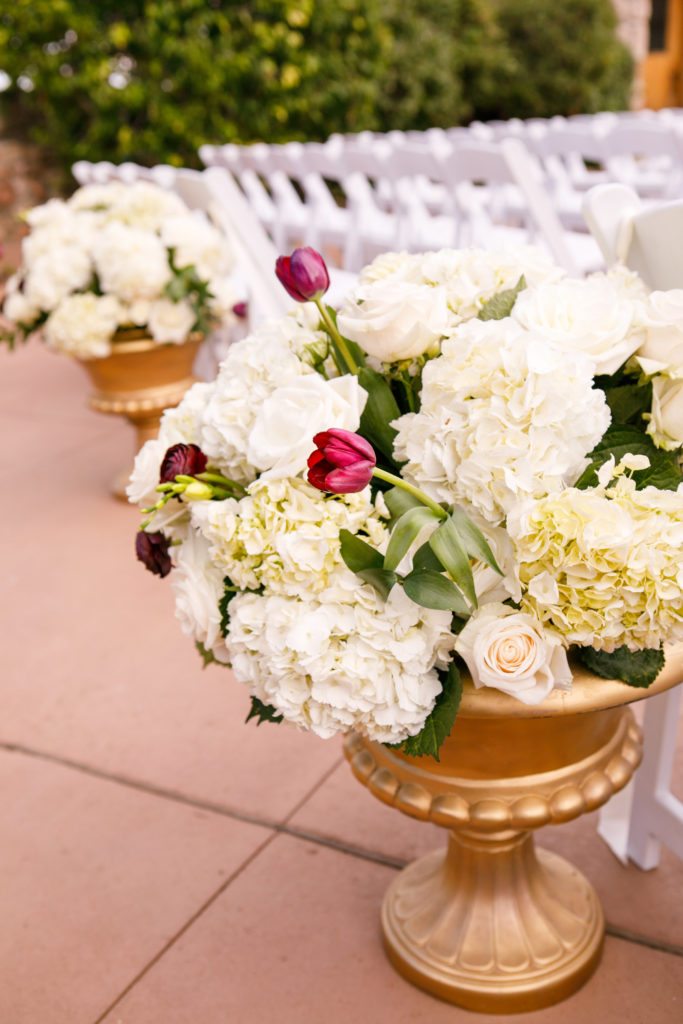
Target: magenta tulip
[(303, 274), (342, 462)]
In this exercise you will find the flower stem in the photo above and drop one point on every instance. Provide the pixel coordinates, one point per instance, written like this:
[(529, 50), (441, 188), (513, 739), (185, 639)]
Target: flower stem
[(339, 342), (397, 481)]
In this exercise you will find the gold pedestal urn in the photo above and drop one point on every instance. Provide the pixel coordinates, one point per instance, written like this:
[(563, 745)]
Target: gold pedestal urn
[(139, 380), (494, 924)]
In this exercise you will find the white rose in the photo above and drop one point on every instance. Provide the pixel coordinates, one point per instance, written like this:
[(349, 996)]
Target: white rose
[(395, 320), (198, 587), (224, 297), (170, 321), (594, 316), (662, 350), (19, 310), (97, 197), (82, 325), (282, 436), (131, 263), (666, 423), (146, 206), (510, 651)]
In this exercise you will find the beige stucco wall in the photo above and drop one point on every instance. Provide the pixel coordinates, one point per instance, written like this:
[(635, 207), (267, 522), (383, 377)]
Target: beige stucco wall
[(634, 22)]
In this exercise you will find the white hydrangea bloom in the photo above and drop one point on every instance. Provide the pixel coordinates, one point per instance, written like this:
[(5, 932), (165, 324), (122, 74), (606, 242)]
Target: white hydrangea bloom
[(596, 316), (196, 242), (284, 535), (171, 321), (329, 667), (504, 416), (82, 325), (144, 205), (56, 274), (198, 588), (602, 567), (253, 369), (131, 262)]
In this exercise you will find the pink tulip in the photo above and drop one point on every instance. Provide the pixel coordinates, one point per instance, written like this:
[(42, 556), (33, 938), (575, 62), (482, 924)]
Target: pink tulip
[(342, 462), (303, 274)]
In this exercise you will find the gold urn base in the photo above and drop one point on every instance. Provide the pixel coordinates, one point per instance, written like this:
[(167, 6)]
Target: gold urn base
[(139, 380), (493, 924)]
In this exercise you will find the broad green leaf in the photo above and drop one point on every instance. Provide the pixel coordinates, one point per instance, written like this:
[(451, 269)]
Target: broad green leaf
[(637, 668), (501, 305), (474, 540), (427, 743), (450, 550), (628, 402), (405, 531), (424, 558), (664, 471), (381, 579), (262, 712), (206, 655), (399, 501), (380, 409), (430, 589), (357, 554)]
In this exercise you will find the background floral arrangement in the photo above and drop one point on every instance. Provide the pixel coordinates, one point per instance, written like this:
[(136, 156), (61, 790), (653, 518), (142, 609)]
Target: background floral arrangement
[(119, 256), (476, 459)]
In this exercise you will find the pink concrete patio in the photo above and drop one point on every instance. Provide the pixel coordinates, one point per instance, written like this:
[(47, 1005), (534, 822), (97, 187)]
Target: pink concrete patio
[(162, 862)]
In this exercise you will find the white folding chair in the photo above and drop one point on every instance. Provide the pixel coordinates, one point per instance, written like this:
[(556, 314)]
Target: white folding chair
[(645, 814)]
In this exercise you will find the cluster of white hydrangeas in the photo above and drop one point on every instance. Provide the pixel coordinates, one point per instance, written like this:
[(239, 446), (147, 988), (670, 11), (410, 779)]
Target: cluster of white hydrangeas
[(504, 416), (405, 304), (602, 567), (284, 535), (82, 325), (328, 667), (126, 241), (269, 401)]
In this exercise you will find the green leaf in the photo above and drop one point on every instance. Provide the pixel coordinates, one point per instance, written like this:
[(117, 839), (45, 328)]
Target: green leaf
[(628, 402), (381, 579), (430, 589), (399, 501), (450, 550), (501, 305), (424, 558), (427, 743), (354, 348), (262, 712), (357, 554), (206, 655), (664, 471), (474, 540), (380, 409), (637, 668), (405, 531)]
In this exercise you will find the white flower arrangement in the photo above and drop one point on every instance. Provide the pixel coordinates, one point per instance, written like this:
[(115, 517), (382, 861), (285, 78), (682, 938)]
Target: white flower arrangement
[(115, 257), (477, 463)]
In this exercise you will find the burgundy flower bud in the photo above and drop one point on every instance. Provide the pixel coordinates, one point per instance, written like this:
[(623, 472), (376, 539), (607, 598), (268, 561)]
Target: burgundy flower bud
[(241, 310), (303, 274), (182, 459), (152, 551), (342, 462)]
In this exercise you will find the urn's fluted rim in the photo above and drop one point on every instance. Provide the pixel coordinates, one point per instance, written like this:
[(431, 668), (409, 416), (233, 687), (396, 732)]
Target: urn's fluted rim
[(588, 693)]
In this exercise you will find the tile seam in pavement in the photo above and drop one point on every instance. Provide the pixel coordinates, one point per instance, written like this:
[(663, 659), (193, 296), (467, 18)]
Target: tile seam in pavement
[(274, 830), (283, 828)]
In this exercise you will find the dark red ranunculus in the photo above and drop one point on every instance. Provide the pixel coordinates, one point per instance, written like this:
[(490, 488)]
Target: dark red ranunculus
[(182, 459), (152, 551), (342, 462), (303, 274)]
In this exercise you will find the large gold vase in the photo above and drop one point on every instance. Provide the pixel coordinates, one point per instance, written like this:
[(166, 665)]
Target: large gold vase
[(493, 923), (139, 380)]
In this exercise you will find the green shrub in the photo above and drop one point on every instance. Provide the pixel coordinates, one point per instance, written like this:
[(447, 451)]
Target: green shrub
[(568, 59)]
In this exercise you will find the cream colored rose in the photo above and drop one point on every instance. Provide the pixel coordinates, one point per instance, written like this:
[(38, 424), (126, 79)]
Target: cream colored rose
[(171, 321), (510, 651), (666, 423), (395, 320), (594, 316), (19, 310), (662, 350)]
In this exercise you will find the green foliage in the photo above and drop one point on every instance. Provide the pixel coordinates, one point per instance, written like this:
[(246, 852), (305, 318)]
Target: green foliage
[(438, 726), (405, 530), (151, 80), (501, 304), (224, 606), (205, 654), (380, 409), (637, 668), (262, 712), (664, 471), (358, 555), (567, 59), (431, 589)]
